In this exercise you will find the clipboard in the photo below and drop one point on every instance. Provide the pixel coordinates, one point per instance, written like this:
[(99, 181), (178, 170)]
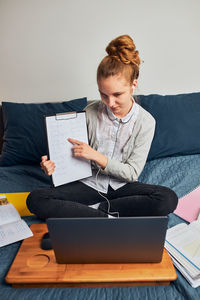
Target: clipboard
[(59, 128)]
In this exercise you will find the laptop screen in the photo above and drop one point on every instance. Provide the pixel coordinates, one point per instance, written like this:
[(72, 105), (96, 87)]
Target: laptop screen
[(105, 240)]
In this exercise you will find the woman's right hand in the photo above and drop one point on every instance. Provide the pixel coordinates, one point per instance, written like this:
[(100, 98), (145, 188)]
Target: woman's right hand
[(47, 165)]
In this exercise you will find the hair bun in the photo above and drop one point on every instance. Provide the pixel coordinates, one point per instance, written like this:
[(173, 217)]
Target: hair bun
[(123, 49)]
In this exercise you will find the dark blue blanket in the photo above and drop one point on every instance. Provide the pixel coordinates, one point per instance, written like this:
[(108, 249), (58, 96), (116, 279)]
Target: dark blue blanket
[(22, 178), (181, 173)]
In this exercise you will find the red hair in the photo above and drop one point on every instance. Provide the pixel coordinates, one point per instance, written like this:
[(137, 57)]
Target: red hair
[(122, 58)]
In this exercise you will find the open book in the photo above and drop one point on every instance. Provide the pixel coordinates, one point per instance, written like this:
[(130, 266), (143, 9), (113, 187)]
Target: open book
[(12, 227), (183, 244)]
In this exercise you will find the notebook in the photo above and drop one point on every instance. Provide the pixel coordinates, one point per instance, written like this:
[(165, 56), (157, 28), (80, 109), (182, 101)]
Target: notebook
[(105, 240), (188, 207)]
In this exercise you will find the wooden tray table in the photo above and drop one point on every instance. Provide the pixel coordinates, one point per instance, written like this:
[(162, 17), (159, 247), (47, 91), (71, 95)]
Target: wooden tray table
[(34, 267)]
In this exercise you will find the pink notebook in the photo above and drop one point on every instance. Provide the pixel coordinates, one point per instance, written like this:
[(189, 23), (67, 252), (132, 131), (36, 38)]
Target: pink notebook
[(188, 207)]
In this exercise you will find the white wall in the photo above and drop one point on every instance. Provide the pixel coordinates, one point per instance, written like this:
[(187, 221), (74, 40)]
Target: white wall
[(50, 49)]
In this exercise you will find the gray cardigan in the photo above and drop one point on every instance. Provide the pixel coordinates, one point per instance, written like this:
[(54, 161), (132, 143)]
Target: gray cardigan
[(136, 150)]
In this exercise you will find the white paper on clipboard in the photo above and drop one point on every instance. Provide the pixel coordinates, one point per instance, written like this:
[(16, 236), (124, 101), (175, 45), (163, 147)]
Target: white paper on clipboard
[(59, 128)]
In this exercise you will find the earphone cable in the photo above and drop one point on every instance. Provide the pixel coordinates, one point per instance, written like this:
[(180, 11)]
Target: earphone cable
[(108, 210)]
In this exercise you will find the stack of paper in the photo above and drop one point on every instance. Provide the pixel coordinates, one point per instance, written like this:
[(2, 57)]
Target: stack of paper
[(12, 227), (183, 244)]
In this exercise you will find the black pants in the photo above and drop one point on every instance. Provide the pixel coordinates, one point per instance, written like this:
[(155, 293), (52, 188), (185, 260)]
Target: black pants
[(72, 200)]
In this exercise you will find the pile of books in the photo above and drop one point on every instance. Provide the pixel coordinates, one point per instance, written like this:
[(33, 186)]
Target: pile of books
[(183, 244)]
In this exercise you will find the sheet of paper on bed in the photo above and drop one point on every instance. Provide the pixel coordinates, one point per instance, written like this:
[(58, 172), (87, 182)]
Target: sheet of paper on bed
[(188, 207), (12, 227), (183, 244)]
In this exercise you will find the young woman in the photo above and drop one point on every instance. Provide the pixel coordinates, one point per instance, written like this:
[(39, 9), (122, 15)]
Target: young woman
[(120, 135)]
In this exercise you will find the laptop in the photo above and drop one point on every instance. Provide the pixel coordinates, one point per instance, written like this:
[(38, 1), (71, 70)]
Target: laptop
[(108, 240)]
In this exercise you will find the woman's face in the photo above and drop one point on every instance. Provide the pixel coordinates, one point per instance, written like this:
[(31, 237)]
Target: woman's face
[(116, 93)]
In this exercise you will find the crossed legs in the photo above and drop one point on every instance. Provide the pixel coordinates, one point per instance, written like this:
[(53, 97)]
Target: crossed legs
[(73, 200)]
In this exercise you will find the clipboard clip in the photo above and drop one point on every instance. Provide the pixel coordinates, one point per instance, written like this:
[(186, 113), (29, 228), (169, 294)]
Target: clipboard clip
[(66, 116)]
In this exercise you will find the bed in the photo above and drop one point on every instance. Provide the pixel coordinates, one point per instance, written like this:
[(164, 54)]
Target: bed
[(179, 170)]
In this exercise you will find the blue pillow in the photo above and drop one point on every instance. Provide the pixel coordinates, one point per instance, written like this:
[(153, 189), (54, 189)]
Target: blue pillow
[(177, 124), (24, 129)]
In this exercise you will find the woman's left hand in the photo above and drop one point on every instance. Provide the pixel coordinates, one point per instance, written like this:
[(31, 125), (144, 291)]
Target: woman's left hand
[(81, 149)]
